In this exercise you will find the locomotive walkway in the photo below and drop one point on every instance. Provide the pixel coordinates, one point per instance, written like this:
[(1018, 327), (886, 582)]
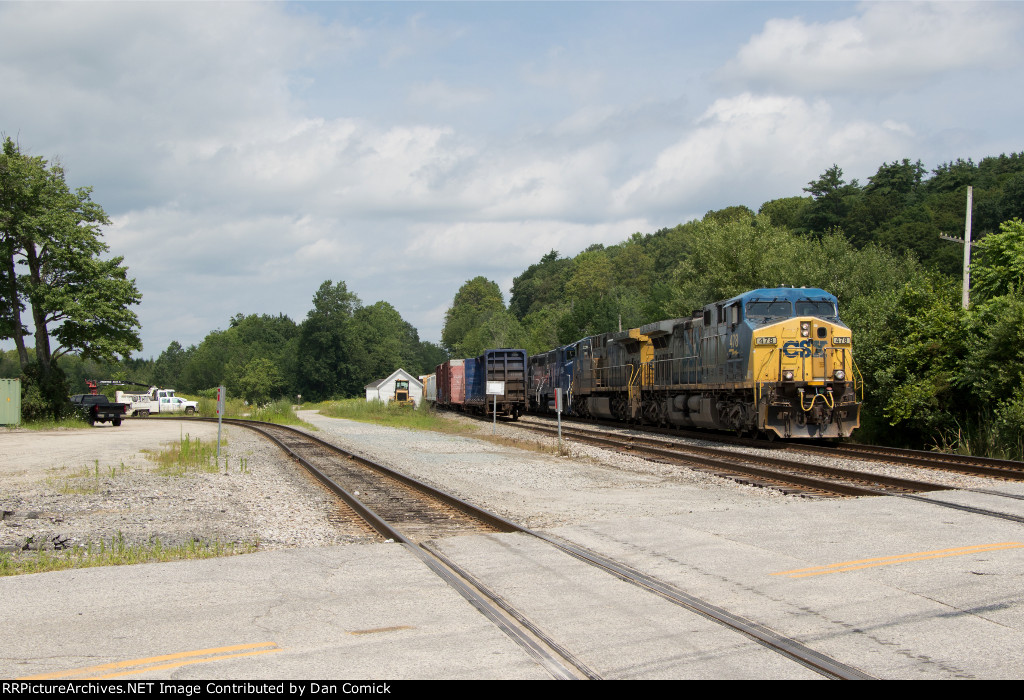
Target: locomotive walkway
[(894, 588)]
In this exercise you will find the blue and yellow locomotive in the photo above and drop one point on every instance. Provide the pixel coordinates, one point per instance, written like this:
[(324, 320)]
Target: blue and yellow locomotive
[(775, 361)]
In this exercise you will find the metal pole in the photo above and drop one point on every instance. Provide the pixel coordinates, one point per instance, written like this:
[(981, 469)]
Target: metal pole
[(967, 249), (558, 408), (494, 428)]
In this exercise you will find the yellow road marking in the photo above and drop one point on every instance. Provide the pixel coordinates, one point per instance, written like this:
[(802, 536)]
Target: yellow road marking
[(896, 559), (148, 664)]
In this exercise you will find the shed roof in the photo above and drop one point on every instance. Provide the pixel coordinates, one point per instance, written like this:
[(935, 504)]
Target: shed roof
[(381, 382)]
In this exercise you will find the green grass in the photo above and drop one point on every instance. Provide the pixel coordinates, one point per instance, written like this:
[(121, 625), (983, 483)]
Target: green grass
[(188, 454), (65, 423), (420, 418), (113, 553), (279, 412), (85, 481)]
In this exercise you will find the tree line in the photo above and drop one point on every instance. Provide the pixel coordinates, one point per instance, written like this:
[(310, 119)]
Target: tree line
[(334, 352)]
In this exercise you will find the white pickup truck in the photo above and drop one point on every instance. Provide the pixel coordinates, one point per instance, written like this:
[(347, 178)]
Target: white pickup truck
[(156, 401)]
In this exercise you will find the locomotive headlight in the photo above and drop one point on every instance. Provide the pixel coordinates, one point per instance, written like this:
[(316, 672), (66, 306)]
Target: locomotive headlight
[(787, 375), (840, 375), (805, 328)]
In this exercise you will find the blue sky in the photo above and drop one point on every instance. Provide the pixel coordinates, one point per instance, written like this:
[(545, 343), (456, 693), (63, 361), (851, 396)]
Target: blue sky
[(246, 152)]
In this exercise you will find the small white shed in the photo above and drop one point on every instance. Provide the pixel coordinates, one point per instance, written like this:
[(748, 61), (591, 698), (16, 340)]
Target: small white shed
[(384, 389)]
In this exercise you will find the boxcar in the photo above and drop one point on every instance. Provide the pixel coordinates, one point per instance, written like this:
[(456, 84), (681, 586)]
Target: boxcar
[(501, 365), (451, 384)]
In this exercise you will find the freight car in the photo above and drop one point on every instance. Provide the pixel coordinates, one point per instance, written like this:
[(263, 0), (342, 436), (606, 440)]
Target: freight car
[(462, 384), (451, 384), (773, 361)]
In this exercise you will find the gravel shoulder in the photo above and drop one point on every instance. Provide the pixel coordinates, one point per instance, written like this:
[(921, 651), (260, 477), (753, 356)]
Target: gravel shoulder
[(77, 486)]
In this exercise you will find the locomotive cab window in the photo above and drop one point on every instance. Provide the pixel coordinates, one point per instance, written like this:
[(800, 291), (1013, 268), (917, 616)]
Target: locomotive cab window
[(821, 308), (768, 310)]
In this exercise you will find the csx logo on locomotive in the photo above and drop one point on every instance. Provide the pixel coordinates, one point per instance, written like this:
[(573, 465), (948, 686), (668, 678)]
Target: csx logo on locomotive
[(804, 348)]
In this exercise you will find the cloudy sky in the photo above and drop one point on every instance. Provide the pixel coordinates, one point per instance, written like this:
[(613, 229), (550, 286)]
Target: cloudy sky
[(246, 152)]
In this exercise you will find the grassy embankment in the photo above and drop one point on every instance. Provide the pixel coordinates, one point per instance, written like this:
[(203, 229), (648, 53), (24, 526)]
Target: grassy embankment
[(279, 412), (178, 459), (423, 417)]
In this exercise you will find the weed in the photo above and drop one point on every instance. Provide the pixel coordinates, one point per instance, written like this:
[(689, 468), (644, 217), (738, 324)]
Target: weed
[(115, 552), (187, 455)]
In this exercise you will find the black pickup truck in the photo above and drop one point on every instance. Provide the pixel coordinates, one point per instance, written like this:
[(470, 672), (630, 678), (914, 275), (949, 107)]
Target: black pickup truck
[(97, 408)]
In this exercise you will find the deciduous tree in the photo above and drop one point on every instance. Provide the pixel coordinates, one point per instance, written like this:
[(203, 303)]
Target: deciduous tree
[(54, 268)]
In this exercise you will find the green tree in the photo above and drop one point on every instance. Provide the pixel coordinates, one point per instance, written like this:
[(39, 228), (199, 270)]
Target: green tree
[(259, 381), (381, 343), (999, 264), (75, 297), (592, 276), (325, 367), (541, 285), (731, 258), (476, 301), (499, 329), (787, 212), (832, 200)]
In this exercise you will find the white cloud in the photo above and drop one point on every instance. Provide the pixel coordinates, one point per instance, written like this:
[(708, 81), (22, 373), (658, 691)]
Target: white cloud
[(886, 46), (747, 143), (441, 96), (510, 244)]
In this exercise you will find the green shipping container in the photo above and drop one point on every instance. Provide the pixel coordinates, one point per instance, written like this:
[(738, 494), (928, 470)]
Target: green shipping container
[(10, 401)]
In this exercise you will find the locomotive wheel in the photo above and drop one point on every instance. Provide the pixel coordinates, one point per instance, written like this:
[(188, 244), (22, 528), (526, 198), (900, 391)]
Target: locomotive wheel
[(651, 415)]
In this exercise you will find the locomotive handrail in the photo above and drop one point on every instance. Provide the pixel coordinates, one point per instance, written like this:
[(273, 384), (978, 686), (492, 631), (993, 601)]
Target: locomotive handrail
[(663, 375), (758, 386), (857, 385)]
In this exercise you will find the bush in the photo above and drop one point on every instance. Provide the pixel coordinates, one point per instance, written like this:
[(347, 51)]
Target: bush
[(43, 397)]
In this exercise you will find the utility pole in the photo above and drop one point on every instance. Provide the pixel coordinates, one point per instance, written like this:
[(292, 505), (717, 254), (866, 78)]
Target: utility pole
[(966, 241)]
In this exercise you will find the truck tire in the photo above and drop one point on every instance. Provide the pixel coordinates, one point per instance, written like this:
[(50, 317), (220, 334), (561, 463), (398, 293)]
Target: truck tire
[(117, 422), (189, 410)]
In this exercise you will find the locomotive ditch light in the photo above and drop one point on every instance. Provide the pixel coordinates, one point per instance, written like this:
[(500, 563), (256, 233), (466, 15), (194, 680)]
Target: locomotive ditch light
[(787, 375), (840, 375)]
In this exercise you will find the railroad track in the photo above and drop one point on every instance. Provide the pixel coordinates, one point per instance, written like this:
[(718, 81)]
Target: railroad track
[(789, 476), (892, 486), (415, 514), (963, 464)]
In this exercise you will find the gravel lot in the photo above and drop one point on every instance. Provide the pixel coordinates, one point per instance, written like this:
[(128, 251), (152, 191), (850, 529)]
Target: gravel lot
[(93, 483), (77, 486)]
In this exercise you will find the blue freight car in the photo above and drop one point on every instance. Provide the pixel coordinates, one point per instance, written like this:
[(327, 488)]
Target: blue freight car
[(505, 365)]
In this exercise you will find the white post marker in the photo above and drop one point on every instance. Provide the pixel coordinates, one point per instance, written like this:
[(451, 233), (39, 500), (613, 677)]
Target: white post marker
[(559, 405), (495, 388), (221, 395)]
